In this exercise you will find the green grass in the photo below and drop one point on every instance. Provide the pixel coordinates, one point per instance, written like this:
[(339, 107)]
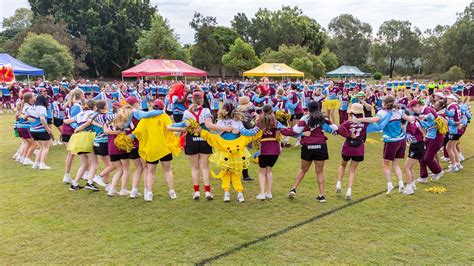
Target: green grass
[(41, 221)]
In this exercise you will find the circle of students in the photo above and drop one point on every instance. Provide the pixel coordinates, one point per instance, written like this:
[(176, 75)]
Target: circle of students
[(408, 113)]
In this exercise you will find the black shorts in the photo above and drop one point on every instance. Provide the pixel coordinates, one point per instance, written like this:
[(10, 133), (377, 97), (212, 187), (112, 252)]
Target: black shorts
[(65, 138), (165, 158), (178, 118), (118, 157), (195, 145), (416, 150), (134, 154), (316, 152), (347, 158), (57, 122), (296, 116), (40, 136), (101, 148), (49, 121), (454, 136), (267, 160)]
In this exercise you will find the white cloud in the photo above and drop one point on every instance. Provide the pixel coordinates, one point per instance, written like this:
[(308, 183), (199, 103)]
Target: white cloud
[(422, 13)]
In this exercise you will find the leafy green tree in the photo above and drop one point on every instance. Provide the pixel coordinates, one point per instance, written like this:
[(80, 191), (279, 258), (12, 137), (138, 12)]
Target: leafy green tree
[(240, 57), (211, 41), (397, 40), (454, 73), (160, 42), (457, 43), (351, 39), (329, 59), (111, 27), (270, 29), (431, 55), (45, 52), (20, 20), (298, 57)]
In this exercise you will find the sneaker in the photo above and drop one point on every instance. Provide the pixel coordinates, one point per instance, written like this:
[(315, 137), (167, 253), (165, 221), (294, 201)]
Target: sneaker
[(67, 179), (124, 192), (452, 168), (348, 195), (54, 143), (389, 188), (438, 176), (459, 166), (60, 142), (209, 195), (408, 190), (27, 161), (134, 194), (112, 192), (43, 166), (269, 196), (446, 159), (422, 180), (247, 179), (321, 198), (35, 152), (91, 187), (85, 175), (292, 193), (401, 186), (18, 159), (99, 180), (196, 195), (148, 196), (261, 196), (35, 166), (338, 187), (461, 157), (76, 187), (240, 197), (107, 187), (413, 185), (226, 196), (172, 194)]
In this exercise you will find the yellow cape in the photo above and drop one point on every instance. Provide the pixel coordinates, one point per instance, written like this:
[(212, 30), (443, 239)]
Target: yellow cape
[(155, 140)]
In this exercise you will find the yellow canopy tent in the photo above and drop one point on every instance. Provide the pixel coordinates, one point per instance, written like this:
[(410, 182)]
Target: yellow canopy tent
[(273, 70)]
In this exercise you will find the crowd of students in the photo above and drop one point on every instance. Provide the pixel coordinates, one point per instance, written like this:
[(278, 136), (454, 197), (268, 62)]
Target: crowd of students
[(149, 122)]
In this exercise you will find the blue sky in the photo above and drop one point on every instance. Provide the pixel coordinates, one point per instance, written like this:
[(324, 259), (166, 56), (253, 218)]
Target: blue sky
[(422, 13)]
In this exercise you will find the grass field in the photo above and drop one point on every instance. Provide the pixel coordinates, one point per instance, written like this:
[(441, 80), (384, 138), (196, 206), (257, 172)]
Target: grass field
[(41, 221)]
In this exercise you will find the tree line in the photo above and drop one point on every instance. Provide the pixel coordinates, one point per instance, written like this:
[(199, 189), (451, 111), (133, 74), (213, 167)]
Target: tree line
[(102, 38)]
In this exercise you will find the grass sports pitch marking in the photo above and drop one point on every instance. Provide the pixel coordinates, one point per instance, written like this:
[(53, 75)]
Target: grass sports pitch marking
[(291, 227)]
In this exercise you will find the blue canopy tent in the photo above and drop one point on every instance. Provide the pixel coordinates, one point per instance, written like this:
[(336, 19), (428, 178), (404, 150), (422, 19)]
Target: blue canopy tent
[(20, 68)]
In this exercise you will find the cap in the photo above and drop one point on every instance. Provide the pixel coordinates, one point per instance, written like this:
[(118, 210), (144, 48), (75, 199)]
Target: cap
[(132, 100), (116, 105), (360, 94), (158, 104), (440, 94), (356, 108), (413, 103)]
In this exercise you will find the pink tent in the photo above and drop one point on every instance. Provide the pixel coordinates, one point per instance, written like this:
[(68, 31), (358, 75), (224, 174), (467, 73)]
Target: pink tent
[(163, 67)]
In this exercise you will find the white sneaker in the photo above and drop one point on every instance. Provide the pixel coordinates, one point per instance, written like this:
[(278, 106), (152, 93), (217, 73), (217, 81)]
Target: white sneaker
[(269, 196), (209, 195), (461, 157), (35, 166), (226, 196), (444, 159), (85, 175), (124, 192), (196, 195), (459, 166), (148, 196), (43, 166), (437, 176), (349, 195), (389, 188), (107, 187), (60, 142), (401, 186), (422, 180), (240, 197), (28, 161), (408, 190), (172, 194), (54, 143), (18, 159), (67, 179), (261, 196), (134, 194), (413, 185), (112, 192), (338, 187), (35, 152), (99, 180), (452, 168)]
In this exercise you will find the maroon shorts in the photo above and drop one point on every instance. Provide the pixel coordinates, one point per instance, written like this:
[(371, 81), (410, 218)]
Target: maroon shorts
[(24, 133), (394, 150), (7, 99)]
